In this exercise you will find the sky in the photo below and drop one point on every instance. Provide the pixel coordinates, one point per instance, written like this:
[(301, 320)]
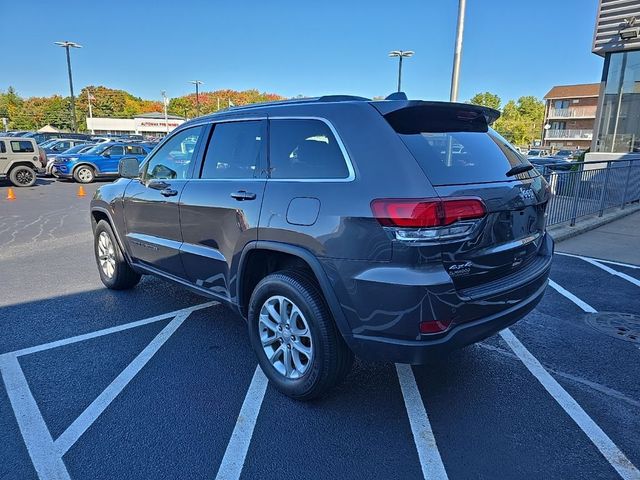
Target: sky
[(511, 47)]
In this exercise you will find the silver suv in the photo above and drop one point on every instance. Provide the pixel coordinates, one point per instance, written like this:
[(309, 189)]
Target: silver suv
[(20, 160)]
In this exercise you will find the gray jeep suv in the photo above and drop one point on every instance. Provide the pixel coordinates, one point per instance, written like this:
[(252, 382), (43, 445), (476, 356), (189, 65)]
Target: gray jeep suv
[(394, 230)]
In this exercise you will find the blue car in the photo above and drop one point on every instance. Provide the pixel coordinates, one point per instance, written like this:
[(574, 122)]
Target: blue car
[(100, 161)]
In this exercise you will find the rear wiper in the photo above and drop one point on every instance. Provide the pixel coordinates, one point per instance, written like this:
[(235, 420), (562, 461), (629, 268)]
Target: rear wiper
[(519, 169)]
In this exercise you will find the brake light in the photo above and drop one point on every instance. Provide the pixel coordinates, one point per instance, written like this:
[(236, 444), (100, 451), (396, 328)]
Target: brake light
[(434, 326), (404, 213)]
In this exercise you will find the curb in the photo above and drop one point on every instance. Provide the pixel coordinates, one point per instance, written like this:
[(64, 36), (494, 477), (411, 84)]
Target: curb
[(565, 231)]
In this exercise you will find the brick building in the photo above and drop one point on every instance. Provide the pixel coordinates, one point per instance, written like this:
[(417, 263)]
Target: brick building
[(570, 115)]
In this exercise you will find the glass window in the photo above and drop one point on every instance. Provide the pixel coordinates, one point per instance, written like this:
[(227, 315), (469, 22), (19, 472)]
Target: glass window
[(171, 161), (3, 149), (304, 148), (115, 150), (21, 146), (235, 150), (134, 150), (619, 126)]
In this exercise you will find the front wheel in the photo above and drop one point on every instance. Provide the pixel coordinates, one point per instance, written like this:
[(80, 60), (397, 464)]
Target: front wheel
[(84, 174), (115, 271), (298, 345), (22, 176)]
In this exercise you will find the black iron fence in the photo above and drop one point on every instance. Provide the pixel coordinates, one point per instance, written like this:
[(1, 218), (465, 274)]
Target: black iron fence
[(591, 188)]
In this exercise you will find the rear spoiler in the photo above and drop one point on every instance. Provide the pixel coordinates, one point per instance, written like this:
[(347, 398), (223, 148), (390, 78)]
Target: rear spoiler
[(463, 111)]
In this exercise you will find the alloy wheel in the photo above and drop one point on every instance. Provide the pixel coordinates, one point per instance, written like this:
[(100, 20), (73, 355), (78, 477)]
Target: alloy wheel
[(285, 336), (106, 255)]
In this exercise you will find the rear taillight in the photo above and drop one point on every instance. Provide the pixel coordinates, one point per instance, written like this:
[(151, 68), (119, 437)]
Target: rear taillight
[(404, 213)]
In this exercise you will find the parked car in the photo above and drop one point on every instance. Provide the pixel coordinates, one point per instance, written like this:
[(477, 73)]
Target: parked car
[(41, 137), (547, 164), (62, 144), (99, 161), (20, 160), (336, 226), (537, 152), (78, 149), (567, 155)]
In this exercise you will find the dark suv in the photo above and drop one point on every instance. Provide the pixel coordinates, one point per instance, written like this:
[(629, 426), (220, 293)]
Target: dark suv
[(394, 230)]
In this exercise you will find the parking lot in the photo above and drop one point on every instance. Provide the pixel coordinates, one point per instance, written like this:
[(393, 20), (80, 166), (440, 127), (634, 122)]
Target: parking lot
[(158, 382)]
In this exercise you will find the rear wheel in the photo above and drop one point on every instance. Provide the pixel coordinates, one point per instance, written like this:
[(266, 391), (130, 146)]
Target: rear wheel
[(22, 176), (84, 174), (294, 336), (115, 272)]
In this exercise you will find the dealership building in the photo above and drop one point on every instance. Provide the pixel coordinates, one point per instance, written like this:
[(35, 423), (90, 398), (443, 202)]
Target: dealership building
[(617, 40), (146, 124)]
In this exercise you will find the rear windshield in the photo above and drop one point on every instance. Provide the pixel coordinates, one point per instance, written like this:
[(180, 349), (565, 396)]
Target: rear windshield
[(454, 148)]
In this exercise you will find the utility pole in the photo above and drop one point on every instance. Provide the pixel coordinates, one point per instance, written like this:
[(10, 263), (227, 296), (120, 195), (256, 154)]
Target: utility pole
[(197, 83), (165, 102), (457, 53), (66, 45), (89, 98)]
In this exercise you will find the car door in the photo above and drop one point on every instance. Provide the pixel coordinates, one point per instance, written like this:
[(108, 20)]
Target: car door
[(4, 157), (111, 159), (220, 208), (151, 211)]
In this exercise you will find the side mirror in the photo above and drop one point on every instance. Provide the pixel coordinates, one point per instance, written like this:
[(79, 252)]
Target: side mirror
[(106, 155), (129, 167)]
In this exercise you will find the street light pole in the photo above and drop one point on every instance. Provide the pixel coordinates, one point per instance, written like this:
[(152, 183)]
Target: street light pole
[(457, 53), (66, 45), (400, 54), (164, 102), (197, 83)]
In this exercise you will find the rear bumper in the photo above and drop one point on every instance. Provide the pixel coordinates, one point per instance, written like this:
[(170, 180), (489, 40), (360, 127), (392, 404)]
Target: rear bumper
[(423, 351), (384, 307)]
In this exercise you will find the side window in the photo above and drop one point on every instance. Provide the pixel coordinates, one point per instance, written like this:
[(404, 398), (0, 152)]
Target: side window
[(173, 158), (3, 149), (134, 150), (304, 148), (22, 146), (235, 150), (115, 150)]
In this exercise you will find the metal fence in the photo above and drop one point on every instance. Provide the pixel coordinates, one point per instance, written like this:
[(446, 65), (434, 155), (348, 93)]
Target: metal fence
[(590, 188)]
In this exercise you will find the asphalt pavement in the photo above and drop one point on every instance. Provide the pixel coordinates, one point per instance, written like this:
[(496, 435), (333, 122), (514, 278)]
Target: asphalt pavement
[(158, 382)]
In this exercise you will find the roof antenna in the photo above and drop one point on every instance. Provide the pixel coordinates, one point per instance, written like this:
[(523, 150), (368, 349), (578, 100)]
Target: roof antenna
[(397, 96)]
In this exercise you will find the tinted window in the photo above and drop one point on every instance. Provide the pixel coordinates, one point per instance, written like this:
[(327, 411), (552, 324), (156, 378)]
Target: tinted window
[(134, 150), (172, 160), (463, 157), (3, 149), (304, 149), (21, 147), (235, 150), (115, 150)]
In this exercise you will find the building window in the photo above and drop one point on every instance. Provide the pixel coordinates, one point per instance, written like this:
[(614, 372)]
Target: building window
[(619, 126), (560, 104)]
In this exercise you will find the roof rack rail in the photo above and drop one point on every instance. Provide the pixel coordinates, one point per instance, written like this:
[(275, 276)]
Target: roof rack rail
[(293, 101)]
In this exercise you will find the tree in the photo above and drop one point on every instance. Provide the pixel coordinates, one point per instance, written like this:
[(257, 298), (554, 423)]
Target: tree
[(486, 99), (521, 121)]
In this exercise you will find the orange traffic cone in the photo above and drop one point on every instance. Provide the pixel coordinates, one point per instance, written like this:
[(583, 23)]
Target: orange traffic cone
[(81, 192), (11, 195)]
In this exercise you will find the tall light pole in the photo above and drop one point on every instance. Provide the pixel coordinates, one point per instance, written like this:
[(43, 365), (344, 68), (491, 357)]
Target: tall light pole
[(66, 45), (400, 54), (457, 53), (165, 102), (197, 83)]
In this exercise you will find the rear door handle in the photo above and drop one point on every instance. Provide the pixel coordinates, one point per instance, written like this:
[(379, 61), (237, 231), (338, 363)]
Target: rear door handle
[(243, 195), (168, 192)]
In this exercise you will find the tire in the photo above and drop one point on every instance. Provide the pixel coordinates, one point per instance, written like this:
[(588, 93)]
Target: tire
[(84, 174), (115, 272), (22, 176), (329, 360)]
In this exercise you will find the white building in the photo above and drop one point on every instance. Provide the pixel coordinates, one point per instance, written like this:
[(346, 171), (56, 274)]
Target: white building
[(146, 124)]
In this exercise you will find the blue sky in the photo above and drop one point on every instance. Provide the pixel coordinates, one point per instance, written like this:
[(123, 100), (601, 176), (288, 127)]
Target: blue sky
[(512, 47)]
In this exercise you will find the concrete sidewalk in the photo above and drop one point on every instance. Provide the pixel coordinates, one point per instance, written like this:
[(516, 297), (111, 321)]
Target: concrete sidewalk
[(618, 241)]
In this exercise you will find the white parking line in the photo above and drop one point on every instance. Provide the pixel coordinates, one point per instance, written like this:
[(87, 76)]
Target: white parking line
[(430, 461), (610, 262), (45, 453), (610, 270), (236, 452), (34, 431), (611, 452), (80, 425), (564, 292)]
